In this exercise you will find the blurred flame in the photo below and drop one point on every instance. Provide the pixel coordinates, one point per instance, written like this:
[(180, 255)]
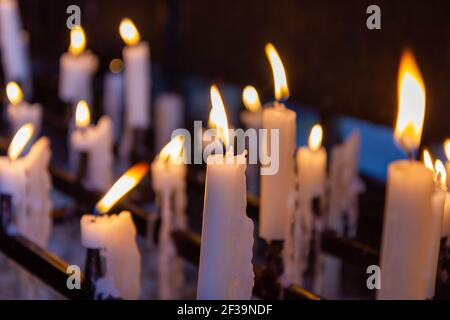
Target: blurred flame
[(77, 40), (116, 65), (82, 115), (427, 160), (122, 186), (20, 140), (217, 116), (279, 74), (447, 148), (411, 103), (14, 93), (440, 174), (251, 99), (172, 150), (129, 32), (315, 137)]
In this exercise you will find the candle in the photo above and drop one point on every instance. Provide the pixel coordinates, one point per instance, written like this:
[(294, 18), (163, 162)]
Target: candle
[(77, 68), (113, 96), (252, 116), (405, 250), (114, 237), (435, 220), (225, 270), (311, 166), (168, 180), (96, 143), (20, 112), (12, 42), (136, 56), (277, 190), (169, 116)]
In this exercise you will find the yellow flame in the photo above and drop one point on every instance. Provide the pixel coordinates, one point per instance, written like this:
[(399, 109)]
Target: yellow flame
[(122, 186), (82, 115), (315, 137), (218, 116), (440, 174), (129, 32), (20, 140), (427, 160), (251, 99), (279, 75), (77, 41), (411, 103), (172, 150), (447, 148), (14, 93)]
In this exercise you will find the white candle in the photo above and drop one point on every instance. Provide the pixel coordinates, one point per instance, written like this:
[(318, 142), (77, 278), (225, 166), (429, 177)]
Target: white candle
[(136, 56), (168, 180), (408, 237), (225, 270), (77, 68), (20, 112), (97, 142), (277, 190), (169, 116), (447, 164), (13, 46), (113, 96)]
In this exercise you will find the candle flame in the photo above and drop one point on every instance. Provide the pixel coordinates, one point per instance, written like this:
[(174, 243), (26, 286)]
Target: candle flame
[(128, 32), (218, 116), (122, 186), (315, 137), (427, 160), (82, 115), (14, 93), (279, 74), (251, 99), (172, 150), (440, 174), (447, 148), (411, 103), (77, 40), (20, 140)]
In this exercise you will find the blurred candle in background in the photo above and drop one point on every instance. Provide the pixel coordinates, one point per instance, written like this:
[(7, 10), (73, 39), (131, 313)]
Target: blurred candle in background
[(447, 164), (113, 96), (278, 190), (169, 116), (405, 251), (20, 112), (136, 56), (77, 67)]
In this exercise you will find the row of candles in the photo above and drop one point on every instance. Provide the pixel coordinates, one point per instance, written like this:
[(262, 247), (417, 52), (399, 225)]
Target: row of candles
[(417, 210)]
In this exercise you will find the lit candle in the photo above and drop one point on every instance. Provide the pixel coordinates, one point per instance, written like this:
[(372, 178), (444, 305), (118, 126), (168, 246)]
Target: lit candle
[(435, 220), (113, 96), (277, 190), (20, 112), (136, 56), (13, 43), (406, 240), (94, 145), (169, 116), (252, 116), (225, 270), (113, 239), (77, 68), (169, 183)]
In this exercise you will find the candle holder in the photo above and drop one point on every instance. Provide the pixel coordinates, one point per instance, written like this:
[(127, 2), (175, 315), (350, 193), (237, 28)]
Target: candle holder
[(94, 269), (5, 212)]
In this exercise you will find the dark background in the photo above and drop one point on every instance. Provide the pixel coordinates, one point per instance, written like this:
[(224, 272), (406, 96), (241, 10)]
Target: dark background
[(333, 61)]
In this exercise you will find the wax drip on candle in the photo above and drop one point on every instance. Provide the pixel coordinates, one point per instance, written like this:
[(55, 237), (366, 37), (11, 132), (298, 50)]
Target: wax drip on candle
[(122, 186)]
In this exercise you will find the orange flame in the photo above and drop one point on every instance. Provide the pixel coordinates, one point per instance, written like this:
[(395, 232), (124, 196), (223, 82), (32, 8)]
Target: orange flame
[(218, 116), (315, 137), (129, 32), (77, 41), (279, 74), (20, 140)]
